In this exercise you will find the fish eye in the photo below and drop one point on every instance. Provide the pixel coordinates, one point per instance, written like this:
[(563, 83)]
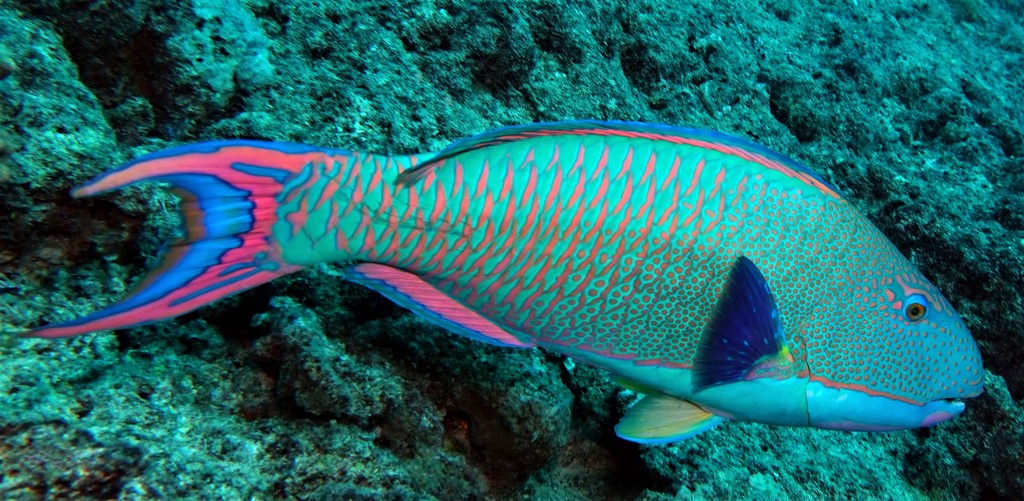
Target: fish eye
[(916, 308)]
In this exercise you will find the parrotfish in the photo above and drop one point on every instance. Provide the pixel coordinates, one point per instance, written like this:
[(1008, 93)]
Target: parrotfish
[(715, 277)]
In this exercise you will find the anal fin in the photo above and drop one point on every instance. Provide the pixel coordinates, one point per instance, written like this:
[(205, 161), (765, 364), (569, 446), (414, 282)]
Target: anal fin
[(412, 292), (660, 419)]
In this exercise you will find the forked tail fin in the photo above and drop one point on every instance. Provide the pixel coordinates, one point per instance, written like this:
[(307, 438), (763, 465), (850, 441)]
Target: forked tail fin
[(230, 192)]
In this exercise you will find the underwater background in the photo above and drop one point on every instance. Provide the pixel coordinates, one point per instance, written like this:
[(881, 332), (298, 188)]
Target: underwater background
[(315, 388)]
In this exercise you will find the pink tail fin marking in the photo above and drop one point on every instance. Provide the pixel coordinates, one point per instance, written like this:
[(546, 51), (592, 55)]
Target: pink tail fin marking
[(230, 191)]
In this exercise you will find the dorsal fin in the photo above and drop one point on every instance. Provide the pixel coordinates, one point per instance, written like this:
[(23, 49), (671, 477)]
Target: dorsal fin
[(724, 143)]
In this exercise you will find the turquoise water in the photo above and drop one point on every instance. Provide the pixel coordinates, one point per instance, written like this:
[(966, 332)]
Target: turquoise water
[(314, 388)]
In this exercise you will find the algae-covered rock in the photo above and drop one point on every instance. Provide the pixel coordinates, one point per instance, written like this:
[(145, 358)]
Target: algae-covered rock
[(314, 388)]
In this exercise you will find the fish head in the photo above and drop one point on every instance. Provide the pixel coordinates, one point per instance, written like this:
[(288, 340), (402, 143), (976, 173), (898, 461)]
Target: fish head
[(885, 350)]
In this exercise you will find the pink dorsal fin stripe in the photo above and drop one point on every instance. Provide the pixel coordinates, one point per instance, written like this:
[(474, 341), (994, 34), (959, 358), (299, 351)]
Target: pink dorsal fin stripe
[(412, 292), (723, 143)]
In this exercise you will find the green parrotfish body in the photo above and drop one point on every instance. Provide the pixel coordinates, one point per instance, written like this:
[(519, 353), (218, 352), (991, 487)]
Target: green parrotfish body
[(721, 279)]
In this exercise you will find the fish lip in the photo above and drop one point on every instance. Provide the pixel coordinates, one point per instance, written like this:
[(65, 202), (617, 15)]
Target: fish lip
[(941, 410)]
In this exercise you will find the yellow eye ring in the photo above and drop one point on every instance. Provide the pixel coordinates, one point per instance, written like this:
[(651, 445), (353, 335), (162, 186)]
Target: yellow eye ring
[(916, 308)]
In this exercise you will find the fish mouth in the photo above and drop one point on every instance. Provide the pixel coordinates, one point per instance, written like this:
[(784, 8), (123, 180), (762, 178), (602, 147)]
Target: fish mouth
[(951, 405), (941, 410)]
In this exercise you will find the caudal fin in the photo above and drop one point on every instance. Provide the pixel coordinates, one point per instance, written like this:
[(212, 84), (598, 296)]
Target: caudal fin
[(230, 192)]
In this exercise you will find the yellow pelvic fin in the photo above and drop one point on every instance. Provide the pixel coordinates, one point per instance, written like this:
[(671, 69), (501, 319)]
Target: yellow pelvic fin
[(660, 419)]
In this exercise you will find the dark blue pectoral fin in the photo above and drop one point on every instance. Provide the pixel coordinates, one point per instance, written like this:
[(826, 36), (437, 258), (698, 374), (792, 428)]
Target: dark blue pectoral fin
[(660, 419), (745, 333)]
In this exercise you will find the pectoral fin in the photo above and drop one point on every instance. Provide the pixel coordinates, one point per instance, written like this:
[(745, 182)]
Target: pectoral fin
[(660, 419), (745, 338)]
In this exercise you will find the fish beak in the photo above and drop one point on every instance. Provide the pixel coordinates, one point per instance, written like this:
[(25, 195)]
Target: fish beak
[(942, 410)]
